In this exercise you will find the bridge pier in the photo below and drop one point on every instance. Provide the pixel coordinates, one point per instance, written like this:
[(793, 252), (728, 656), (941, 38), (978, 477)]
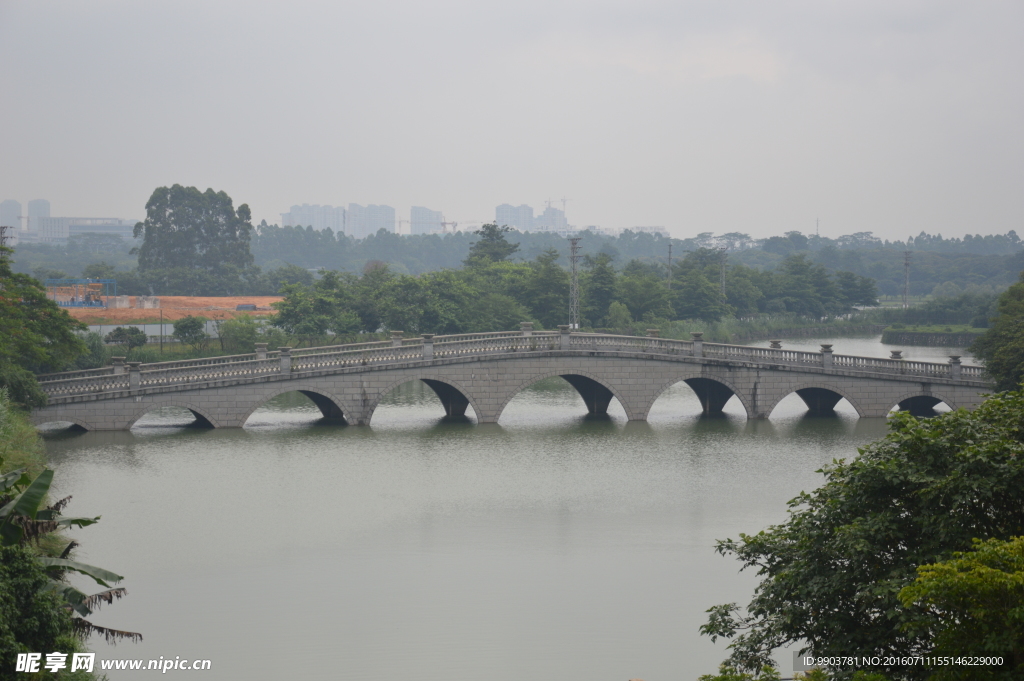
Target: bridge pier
[(819, 401)]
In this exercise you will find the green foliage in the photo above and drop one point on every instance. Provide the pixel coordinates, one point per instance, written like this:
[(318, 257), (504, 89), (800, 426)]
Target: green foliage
[(35, 334), (598, 286), (25, 521), (492, 245), (130, 337), (1002, 346), (31, 616), (99, 270), (195, 241), (727, 672), (618, 316), (191, 331), (546, 290), (976, 604), (831, 574)]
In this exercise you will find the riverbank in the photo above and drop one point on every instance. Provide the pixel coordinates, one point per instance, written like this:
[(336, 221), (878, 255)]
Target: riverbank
[(947, 337), (737, 331)]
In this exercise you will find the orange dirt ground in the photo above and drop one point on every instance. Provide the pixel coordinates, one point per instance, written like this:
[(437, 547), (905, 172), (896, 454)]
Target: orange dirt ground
[(176, 307)]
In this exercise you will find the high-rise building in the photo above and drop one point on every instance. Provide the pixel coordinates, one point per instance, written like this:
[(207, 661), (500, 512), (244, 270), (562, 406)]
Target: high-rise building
[(37, 208), (10, 214), (519, 217), (425, 221), (316, 216), (551, 220), (362, 221)]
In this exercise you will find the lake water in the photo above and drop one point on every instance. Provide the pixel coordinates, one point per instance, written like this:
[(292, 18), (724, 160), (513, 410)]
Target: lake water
[(548, 546)]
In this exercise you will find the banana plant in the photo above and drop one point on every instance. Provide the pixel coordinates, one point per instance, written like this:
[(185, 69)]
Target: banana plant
[(24, 520)]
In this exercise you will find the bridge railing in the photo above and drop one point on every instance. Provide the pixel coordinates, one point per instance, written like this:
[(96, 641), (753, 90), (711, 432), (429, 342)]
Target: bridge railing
[(85, 385), (83, 373)]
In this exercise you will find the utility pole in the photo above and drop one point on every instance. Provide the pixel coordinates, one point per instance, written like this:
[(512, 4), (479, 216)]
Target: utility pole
[(3, 234), (906, 279), (574, 286), (670, 265)]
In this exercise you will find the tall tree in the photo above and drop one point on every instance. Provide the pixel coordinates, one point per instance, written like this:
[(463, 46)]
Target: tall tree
[(1002, 346), (492, 246), (186, 229), (598, 287), (36, 335)]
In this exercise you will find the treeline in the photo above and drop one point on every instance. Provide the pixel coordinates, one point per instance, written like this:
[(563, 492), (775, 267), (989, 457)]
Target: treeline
[(492, 292)]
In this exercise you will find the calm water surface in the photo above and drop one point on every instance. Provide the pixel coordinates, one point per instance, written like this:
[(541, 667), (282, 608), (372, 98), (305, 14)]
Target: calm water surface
[(548, 546)]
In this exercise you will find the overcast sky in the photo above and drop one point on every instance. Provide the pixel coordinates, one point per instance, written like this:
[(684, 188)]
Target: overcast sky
[(759, 117)]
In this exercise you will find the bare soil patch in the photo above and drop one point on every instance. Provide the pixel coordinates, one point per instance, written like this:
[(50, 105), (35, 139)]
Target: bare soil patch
[(176, 307)]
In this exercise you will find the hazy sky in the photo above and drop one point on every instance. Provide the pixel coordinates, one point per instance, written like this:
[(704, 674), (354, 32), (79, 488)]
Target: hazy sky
[(893, 117)]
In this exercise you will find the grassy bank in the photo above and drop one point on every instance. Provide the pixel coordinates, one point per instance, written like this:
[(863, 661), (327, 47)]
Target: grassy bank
[(945, 336), (763, 327)]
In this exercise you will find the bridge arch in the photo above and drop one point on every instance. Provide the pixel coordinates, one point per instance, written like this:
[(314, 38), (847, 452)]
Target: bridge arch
[(596, 391), (41, 419), (820, 397), (711, 402), (202, 415), (921, 403), (453, 395), (329, 404)]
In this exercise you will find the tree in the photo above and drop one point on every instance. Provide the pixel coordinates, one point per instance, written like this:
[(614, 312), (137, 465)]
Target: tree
[(698, 298), (831, 574), (618, 317), (492, 246), (598, 286), (1002, 346), (328, 306), (99, 270), (194, 234), (35, 335), (25, 521), (546, 291), (191, 331), (130, 337), (976, 603)]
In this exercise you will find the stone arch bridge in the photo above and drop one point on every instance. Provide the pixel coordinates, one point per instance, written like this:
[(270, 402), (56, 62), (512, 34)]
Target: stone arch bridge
[(485, 371)]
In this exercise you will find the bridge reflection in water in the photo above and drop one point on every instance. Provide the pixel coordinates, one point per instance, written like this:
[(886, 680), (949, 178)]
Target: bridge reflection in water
[(485, 371)]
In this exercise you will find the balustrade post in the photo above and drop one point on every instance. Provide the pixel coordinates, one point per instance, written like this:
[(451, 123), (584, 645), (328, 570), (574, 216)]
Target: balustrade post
[(261, 351), (286, 360), (118, 364), (396, 339), (428, 346), (563, 336), (526, 328), (134, 375), (826, 355), (954, 367), (775, 344), (653, 333), (896, 354), (698, 343)]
